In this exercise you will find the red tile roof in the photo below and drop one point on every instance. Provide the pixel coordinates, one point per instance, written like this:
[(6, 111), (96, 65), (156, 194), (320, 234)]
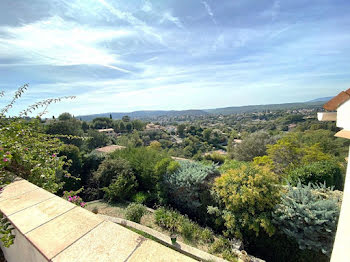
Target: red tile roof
[(338, 100)]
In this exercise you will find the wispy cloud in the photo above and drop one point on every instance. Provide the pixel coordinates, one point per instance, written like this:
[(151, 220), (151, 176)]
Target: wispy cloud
[(209, 11)]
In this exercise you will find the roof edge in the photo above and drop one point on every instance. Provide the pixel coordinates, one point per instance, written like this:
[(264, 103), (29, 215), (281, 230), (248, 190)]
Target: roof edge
[(337, 101)]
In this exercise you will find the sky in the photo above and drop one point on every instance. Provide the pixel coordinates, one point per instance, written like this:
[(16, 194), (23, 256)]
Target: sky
[(121, 56)]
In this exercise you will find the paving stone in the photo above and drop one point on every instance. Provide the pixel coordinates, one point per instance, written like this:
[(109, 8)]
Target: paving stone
[(39, 214), (22, 201), (56, 235), (108, 242)]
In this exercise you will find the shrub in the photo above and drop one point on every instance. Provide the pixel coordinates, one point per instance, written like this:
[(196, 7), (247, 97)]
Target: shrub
[(117, 179), (223, 246), (207, 235), (168, 219), (252, 146), (329, 172), (135, 212), (216, 158), (189, 188), (309, 214), (140, 197), (230, 164), (173, 167), (72, 196), (247, 196), (142, 161)]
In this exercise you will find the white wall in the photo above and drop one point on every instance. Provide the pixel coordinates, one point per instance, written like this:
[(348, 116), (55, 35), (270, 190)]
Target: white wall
[(22, 250), (341, 248), (343, 115)]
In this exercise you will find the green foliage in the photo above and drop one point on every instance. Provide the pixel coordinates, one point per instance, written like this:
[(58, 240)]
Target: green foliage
[(135, 212), (6, 236), (96, 139), (216, 158), (309, 214), (291, 152), (65, 116), (177, 223), (116, 178), (173, 167), (74, 158), (101, 122), (142, 161), (230, 164), (140, 197), (247, 196), (328, 172), (189, 188), (68, 130), (252, 146), (223, 246), (72, 196), (33, 154)]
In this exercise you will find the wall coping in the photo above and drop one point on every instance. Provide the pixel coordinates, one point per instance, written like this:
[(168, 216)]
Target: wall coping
[(49, 228)]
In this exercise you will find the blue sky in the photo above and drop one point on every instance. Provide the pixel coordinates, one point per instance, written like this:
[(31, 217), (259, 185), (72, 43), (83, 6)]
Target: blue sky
[(140, 54)]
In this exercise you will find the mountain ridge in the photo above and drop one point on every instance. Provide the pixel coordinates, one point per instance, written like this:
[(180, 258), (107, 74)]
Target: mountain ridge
[(149, 114)]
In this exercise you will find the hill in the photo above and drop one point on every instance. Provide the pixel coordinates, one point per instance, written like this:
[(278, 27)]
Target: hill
[(152, 114)]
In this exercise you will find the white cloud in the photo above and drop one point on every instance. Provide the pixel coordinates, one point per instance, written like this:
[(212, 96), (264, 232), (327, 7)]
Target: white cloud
[(209, 11), (55, 41)]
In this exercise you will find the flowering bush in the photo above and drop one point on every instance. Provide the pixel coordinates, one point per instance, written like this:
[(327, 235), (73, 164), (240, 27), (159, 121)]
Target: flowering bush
[(72, 196)]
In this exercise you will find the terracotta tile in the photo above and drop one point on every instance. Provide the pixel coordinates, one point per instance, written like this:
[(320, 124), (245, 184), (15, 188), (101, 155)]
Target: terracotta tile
[(336, 101), (108, 242), (17, 188), (22, 201), (151, 251), (56, 235), (39, 214)]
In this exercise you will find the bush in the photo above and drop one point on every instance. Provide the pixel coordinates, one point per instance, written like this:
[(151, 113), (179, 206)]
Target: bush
[(247, 196), (223, 247), (216, 158), (117, 179), (207, 235), (309, 214), (329, 172), (189, 188), (142, 161), (168, 219), (140, 197), (135, 212), (252, 146)]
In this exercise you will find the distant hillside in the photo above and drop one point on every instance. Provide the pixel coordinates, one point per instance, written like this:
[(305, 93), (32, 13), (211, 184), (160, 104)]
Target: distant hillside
[(321, 99), (256, 108), (149, 114)]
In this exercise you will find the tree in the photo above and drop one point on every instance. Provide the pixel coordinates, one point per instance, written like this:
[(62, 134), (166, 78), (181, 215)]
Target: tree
[(110, 116), (102, 123), (189, 188), (252, 146), (181, 130), (155, 145), (96, 139), (73, 157), (142, 161), (247, 196), (309, 214), (70, 129), (65, 116), (126, 119), (116, 179), (289, 153)]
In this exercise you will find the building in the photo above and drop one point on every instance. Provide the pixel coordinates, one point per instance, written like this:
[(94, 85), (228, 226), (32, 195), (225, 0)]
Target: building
[(108, 131), (338, 109)]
